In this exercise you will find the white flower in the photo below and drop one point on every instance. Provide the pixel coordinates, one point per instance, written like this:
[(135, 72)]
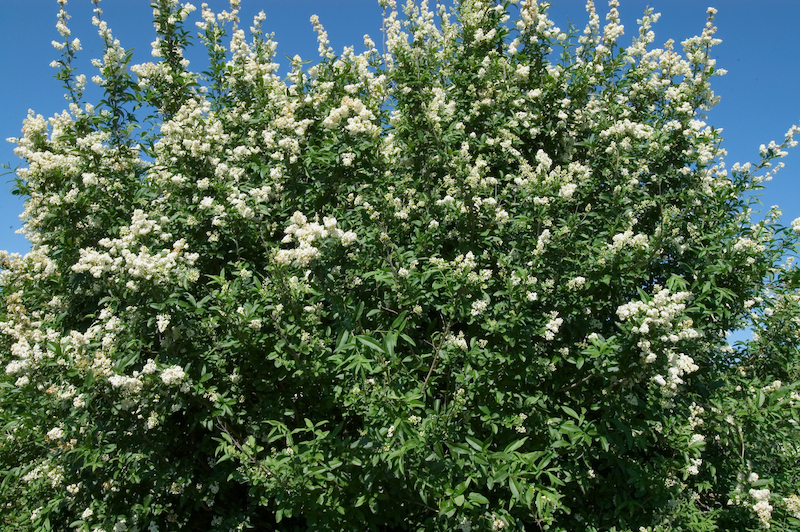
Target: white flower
[(172, 375), (697, 438), (459, 341), (15, 366), (348, 238), (478, 307), (129, 385), (55, 433), (150, 367), (792, 503), (162, 321), (762, 508), (79, 401), (152, 420), (552, 326), (694, 466), (576, 283), (566, 191)]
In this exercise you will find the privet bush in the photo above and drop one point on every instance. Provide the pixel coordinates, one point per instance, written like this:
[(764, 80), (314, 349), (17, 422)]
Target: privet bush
[(477, 277)]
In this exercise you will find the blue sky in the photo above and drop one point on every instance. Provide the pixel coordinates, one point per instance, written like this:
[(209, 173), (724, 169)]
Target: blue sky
[(759, 51)]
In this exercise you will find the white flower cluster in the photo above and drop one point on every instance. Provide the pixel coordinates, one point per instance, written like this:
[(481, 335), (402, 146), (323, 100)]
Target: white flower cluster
[(659, 312), (440, 108), (457, 341), (55, 433), (747, 246), (172, 375), (567, 190), (479, 306), (30, 348), (150, 367), (125, 258), (792, 503), (762, 507), (695, 417), (498, 524), (694, 466), (193, 132), (655, 320), (464, 266), (152, 74), (54, 473), (576, 283), (542, 241), (534, 23), (627, 128), (360, 120), (152, 421), (306, 235), (162, 322), (775, 385), (628, 239), (552, 326), (128, 385)]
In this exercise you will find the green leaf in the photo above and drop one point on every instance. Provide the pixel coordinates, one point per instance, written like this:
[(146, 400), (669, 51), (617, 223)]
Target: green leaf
[(570, 412), (343, 343), (478, 498), (474, 443), (370, 342), (458, 449), (399, 322), (389, 342), (513, 446), (515, 487)]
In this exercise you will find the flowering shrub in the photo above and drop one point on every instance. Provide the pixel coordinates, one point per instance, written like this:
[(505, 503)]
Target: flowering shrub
[(479, 278)]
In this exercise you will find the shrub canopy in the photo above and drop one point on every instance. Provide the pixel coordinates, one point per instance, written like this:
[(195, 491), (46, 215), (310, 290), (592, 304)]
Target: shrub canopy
[(478, 277)]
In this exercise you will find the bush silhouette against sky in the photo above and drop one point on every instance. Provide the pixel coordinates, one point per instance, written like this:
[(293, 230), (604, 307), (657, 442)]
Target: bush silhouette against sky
[(758, 49)]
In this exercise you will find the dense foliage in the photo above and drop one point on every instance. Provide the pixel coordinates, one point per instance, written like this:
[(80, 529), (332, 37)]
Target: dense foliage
[(478, 277)]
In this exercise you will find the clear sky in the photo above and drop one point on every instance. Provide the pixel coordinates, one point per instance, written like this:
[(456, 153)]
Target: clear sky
[(759, 50)]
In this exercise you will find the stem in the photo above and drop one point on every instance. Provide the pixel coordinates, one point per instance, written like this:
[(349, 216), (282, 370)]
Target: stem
[(436, 355)]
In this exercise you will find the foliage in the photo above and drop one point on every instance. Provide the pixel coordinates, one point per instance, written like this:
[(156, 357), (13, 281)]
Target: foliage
[(481, 280)]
